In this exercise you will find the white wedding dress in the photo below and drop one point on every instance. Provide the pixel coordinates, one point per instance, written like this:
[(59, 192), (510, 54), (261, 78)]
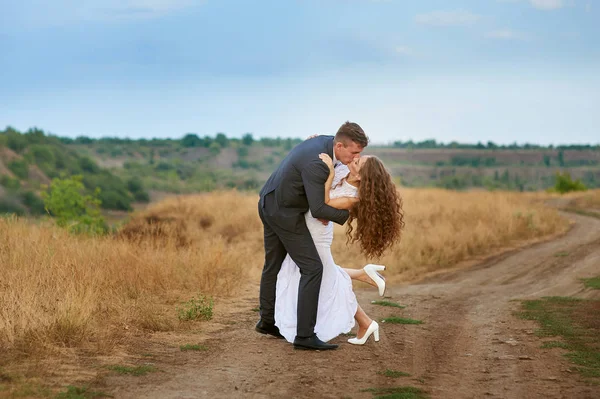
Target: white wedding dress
[(337, 302)]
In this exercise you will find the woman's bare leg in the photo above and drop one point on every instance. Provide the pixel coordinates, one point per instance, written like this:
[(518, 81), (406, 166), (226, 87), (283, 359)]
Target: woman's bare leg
[(360, 275), (363, 321)]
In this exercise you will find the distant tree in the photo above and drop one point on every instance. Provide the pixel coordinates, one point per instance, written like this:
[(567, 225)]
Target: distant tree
[(222, 140), (35, 136), (66, 140), (83, 140), (11, 205), (426, 144), (87, 165), (33, 202), (248, 139), (561, 158), (15, 140), (42, 154), (191, 140), (10, 183), (268, 142), (242, 152), (207, 141), (215, 148), (491, 145), (547, 160), (19, 168), (288, 144)]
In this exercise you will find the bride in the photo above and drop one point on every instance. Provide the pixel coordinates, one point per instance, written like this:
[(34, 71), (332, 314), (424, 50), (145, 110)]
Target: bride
[(366, 189)]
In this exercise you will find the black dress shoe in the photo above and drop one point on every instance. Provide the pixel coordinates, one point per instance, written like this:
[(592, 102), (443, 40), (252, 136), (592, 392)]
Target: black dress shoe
[(312, 343), (265, 328)]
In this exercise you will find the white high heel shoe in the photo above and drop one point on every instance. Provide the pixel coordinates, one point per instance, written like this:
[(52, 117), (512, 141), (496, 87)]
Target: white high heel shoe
[(373, 329), (371, 271)]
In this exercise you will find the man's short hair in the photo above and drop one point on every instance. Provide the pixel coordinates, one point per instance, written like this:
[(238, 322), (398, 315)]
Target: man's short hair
[(351, 131)]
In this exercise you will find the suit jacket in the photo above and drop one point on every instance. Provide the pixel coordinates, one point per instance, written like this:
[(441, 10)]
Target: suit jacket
[(298, 184)]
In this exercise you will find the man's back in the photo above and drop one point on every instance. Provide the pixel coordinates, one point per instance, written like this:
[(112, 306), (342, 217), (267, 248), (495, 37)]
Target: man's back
[(286, 181)]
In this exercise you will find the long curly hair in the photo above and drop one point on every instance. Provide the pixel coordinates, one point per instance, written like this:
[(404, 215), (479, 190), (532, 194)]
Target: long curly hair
[(379, 215)]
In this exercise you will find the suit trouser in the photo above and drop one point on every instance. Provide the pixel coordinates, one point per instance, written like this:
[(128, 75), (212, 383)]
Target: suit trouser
[(299, 244)]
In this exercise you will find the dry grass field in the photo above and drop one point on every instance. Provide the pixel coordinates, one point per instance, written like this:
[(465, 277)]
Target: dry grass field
[(61, 291), (444, 228), (587, 200)]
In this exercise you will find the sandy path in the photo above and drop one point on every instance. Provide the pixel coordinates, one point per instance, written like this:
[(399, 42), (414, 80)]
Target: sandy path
[(470, 345)]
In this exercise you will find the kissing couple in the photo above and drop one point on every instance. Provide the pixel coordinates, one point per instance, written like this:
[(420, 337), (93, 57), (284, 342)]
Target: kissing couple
[(304, 296)]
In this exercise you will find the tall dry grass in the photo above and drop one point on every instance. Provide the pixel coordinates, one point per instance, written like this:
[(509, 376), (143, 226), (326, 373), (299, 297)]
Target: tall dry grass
[(444, 228), (62, 290), (587, 200), (57, 289)]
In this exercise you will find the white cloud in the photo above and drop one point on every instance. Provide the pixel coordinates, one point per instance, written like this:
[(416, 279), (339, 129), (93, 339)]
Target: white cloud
[(447, 18), (505, 34), (547, 4)]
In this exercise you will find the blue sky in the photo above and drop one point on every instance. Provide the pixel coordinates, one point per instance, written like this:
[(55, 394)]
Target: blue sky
[(465, 70)]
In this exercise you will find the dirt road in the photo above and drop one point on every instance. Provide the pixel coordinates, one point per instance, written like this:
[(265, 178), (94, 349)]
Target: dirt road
[(470, 345)]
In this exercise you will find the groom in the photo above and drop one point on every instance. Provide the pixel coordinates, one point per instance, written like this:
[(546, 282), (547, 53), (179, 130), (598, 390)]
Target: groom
[(296, 186)]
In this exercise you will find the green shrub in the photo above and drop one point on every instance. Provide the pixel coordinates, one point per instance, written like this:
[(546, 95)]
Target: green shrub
[(565, 184), (87, 165), (19, 168), (15, 140), (114, 200), (10, 183), (11, 205), (42, 154), (72, 208), (163, 167), (248, 139), (113, 191), (215, 148), (242, 151), (33, 202), (141, 196), (191, 140), (222, 139), (135, 184), (136, 187), (196, 308)]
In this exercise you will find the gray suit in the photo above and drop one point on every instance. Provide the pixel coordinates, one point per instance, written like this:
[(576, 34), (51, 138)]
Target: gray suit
[(296, 186)]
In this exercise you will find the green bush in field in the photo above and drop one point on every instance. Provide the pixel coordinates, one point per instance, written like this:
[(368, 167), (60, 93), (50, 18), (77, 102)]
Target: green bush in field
[(19, 168), (192, 140), (11, 205), (33, 202), (113, 191), (215, 148), (222, 139), (10, 183), (196, 308), (15, 140), (242, 151), (42, 154), (72, 208), (565, 184), (136, 187)]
